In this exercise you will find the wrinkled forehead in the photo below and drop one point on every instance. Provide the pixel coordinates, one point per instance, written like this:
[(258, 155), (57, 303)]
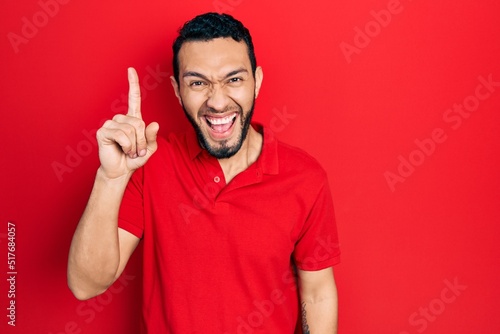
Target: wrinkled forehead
[(213, 57)]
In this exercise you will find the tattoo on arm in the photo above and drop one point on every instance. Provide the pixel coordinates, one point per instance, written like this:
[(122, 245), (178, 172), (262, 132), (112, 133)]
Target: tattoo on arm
[(305, 326)]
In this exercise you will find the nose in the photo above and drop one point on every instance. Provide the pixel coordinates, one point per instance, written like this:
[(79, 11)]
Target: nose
[(217, 98)]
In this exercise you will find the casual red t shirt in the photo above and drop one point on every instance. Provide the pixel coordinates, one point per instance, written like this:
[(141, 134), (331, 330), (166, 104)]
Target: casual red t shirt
[(219, 258)]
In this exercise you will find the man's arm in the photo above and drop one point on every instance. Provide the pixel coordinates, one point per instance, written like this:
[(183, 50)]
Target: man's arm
[(100, 250), (319, 301)]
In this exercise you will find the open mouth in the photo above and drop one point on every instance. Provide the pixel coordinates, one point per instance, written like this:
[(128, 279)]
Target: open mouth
[(221, 125)]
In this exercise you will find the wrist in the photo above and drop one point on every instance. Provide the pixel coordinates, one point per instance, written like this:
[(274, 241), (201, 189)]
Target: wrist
[(119, 181)]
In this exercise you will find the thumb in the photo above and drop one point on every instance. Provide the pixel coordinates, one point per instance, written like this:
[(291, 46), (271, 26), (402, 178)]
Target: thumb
[(151, 134)]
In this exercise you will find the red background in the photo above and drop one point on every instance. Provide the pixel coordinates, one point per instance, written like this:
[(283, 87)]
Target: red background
[(357, 115)]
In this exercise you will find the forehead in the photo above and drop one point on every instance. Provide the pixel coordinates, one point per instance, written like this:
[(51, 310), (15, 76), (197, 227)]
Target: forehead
[(218, 54)]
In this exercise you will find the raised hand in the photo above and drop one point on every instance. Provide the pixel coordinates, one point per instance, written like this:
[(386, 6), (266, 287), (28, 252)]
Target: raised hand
[(125, 143)]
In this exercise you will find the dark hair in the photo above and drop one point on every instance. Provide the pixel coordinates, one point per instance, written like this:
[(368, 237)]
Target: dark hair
[(209, 26)]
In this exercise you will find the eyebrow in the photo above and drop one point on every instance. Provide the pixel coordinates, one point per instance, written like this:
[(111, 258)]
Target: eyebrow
[(194, 74), (240, 70), (199, 75)]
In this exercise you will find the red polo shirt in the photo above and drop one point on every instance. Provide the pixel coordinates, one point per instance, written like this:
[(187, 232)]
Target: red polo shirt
[(218, 258)]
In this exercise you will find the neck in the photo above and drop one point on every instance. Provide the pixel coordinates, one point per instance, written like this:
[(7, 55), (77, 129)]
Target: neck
[(247, 155)]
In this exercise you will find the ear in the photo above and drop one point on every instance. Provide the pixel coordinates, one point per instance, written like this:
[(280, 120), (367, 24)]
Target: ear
[(175, 85), (259, 75)]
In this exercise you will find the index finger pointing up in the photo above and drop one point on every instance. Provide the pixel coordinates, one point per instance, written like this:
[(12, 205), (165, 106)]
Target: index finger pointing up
[(134, 94)]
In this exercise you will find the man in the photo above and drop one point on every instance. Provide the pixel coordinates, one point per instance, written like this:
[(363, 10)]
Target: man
[(238, 228)]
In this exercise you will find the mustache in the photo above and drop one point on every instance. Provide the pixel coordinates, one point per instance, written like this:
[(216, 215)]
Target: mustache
[(210, 110)]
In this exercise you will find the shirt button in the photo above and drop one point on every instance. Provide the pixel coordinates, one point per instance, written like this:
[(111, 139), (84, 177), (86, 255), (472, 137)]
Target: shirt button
[(216, 179)]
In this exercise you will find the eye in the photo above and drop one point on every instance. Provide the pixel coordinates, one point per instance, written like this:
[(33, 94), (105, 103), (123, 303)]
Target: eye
[(196, 83), (235, 80)]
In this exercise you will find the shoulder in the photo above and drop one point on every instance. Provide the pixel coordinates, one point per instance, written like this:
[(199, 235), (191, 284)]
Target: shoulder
[(295, 160), (172, 148), (298, 156), (174, 141)]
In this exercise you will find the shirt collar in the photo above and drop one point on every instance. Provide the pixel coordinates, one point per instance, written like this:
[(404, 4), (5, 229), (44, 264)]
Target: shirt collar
[(268, 158)]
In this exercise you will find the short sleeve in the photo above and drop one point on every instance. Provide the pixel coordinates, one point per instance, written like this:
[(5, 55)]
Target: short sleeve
[(318, 245), (131, 215)]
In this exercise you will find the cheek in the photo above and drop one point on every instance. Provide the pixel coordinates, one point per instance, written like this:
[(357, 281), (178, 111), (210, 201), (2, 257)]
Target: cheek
[(243, 97), (193, 101)]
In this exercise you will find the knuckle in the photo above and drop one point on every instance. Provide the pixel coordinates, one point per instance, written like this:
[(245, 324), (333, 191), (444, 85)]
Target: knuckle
[(135, 92), (137, 123), (141, 125), (103, 133), (117, 117), (128, 130), (107, 124), (122, 139)]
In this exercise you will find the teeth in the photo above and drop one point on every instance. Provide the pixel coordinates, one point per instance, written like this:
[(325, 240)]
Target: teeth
[(219, 120)]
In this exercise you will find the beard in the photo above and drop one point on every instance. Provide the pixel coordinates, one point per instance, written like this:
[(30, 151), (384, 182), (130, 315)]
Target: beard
[(223, 150)]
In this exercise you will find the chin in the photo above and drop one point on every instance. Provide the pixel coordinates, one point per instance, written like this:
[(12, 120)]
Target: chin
[(221, 149)]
